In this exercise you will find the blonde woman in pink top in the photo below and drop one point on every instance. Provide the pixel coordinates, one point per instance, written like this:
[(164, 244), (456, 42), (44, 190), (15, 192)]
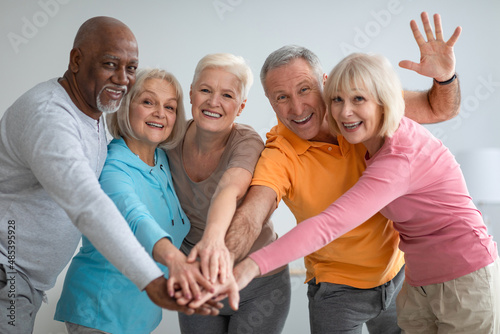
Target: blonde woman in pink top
[(452, 271)]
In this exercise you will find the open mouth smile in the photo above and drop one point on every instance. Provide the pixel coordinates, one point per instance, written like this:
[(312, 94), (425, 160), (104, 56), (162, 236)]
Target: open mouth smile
[(352, 126), (155, 125), (303, 120), (211, 114)]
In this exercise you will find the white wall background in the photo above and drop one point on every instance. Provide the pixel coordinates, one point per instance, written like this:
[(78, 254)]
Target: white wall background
[(36, 37)]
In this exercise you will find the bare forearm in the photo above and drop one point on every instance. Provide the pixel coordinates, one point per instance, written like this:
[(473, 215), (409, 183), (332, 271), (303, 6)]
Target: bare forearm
[(438, 104), (445, 100), (241, 235), (219, 217), (165, 252), (256, 209), (231, 188)]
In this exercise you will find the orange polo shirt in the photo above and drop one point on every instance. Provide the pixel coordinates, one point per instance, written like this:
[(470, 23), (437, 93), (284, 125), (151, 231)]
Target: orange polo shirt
[(309, 176)]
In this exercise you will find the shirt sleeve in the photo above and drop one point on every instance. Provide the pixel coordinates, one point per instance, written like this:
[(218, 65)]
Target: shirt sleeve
[(120, 187), (245, 150), (380, 184), (51, 147), (274, 170)]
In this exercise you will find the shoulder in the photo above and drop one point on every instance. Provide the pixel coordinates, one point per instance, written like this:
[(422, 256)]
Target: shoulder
[(118, 159), (44, 102), (244, 137), (412, 135), (246, 132)]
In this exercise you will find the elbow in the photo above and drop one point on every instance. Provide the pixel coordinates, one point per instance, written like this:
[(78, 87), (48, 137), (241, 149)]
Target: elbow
[(446, 113)]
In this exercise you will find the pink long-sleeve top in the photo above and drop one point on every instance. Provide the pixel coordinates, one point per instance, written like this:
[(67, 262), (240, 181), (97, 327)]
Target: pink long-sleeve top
[(415, 181)]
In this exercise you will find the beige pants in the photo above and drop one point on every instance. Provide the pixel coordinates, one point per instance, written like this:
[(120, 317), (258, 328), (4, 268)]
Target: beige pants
[(468, 304)]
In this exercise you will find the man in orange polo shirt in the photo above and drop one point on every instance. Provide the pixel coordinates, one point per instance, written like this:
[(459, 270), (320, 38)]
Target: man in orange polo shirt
[(354, 279)]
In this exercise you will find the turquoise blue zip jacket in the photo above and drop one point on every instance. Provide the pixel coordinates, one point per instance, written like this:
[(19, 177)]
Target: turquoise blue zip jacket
[(95, 294)]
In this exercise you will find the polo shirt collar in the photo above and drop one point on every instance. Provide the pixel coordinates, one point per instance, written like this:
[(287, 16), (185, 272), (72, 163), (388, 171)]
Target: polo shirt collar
[(301, 145)]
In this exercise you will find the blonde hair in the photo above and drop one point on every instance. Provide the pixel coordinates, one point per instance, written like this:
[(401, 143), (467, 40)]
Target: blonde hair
[(119, 122), (230, 63), (377, 76)]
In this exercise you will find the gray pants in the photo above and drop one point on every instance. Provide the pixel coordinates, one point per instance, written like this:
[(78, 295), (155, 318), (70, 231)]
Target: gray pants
[(19, 302), (335, 308), (264, 306), (79, 329)]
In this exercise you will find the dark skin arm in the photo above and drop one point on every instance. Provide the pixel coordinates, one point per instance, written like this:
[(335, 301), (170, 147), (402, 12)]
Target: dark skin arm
[(437, 60), (158, 293)]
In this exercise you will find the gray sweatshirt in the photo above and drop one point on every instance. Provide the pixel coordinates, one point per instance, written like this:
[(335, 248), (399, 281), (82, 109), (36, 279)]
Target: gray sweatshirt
[(51, 155)]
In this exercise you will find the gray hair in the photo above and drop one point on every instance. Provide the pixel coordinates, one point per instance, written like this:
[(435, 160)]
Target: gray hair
[(285, 55)]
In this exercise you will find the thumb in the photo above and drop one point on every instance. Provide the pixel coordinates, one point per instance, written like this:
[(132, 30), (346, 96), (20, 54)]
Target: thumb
[(192, 255), (409, 65), (234, 297)]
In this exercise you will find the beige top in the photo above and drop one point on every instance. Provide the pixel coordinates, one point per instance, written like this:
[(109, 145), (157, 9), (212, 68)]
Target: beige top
[(242, 150)]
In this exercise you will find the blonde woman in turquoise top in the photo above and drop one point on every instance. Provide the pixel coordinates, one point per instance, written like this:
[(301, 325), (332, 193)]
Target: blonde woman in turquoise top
[(136, 176)]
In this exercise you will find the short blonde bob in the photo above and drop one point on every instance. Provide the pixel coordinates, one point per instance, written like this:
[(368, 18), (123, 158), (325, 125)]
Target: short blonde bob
[(233, 64), (375, 74), (119, 122)]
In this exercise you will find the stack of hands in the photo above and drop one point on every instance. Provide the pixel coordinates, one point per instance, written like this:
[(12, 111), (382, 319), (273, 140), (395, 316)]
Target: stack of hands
[(197, 283)]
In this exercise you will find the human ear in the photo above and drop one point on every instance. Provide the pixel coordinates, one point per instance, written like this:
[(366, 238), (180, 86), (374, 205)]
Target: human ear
[(75, 58), (242, 106)]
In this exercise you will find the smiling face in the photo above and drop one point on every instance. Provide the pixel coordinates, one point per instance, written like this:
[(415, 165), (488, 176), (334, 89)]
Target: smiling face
[(152, 115), (103, 64), (295, 95), (359, 118), (216, 100)]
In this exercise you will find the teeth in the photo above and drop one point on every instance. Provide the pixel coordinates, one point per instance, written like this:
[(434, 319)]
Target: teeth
[(303, 119), (113, 91), (211, 114), (351, 126), (155, 125)]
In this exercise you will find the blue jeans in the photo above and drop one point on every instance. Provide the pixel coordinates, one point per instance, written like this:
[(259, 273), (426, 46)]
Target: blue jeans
[(336, 308), (264, 306)]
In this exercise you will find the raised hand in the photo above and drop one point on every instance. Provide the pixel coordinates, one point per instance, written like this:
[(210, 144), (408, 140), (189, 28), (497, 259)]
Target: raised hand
[(437, 59)]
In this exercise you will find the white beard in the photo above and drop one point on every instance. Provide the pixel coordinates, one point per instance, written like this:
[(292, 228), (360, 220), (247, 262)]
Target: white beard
[(112, 106)]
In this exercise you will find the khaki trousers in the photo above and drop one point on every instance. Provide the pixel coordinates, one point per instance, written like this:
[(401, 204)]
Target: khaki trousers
[(468, 304)]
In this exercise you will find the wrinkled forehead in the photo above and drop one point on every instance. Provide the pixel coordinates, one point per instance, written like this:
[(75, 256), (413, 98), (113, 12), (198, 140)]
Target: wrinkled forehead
[(291, 76)]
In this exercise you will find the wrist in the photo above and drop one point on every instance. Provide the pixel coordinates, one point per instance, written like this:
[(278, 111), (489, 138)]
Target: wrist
[(446, 82), (213, 235), (165, 252), (252, 267)]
